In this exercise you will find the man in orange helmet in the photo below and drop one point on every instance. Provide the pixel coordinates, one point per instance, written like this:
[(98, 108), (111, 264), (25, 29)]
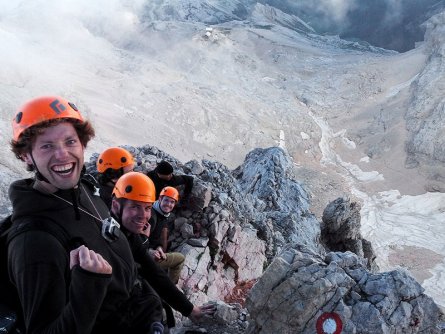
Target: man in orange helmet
[(161, 226), (112, 164), (92, 286), (133, 197)]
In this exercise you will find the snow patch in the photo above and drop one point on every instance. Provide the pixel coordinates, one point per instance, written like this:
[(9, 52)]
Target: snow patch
[(396, 89), (304, 135), (282, 142), (389, 219)]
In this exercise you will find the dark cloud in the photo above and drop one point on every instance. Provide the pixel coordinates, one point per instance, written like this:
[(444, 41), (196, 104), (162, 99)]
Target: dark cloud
[(391, 24)]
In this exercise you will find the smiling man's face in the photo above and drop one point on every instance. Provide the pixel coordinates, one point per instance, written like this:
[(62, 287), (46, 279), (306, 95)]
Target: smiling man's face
[(167, 204), (58, 155), (135, 215)]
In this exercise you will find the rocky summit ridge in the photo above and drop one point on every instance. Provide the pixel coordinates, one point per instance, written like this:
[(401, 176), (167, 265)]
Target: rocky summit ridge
[(252, 244)]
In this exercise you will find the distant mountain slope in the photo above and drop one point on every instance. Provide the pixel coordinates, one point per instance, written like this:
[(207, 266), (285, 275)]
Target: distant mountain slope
[(222, 92), (204, 11)]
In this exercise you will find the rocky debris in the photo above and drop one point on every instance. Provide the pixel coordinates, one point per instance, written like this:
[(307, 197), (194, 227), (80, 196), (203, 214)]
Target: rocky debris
[(300, 287), (340, 230)]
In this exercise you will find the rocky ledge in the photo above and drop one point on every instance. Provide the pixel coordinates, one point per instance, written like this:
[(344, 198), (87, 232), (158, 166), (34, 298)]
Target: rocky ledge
[(252, 244)]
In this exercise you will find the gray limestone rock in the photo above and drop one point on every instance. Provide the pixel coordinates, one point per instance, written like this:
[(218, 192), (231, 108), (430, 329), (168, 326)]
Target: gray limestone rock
[(340, 230), (297, 290)]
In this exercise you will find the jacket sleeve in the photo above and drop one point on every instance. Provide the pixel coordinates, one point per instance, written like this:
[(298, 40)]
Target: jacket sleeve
[(186, 180), (54, 299), (157, 234), (162, 284)]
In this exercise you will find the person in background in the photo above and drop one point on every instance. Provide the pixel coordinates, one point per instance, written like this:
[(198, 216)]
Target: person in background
[(163, 176), (132, 200), (161, 227), (94, 288), (112, 164)]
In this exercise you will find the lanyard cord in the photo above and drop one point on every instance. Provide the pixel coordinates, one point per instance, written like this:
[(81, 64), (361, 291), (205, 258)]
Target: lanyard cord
[(91, 201), (85, 211), (108, 226)]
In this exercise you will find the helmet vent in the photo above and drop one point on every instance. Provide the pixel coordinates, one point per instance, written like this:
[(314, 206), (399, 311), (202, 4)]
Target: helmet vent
[(128, 189), (72, 105), (18, 117)]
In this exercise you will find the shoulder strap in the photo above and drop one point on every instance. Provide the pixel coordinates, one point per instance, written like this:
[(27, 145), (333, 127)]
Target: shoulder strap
[(5, 226), (90, 180), (31, 223), (9, 230)]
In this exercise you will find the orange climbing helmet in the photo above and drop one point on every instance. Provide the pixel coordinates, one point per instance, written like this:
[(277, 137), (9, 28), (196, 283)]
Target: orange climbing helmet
[(135, 186), (114, 158), (43, 109), (170, 192)]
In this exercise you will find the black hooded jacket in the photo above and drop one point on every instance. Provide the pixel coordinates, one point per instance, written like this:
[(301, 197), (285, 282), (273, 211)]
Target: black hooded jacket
[(54, 298), (155, 275)]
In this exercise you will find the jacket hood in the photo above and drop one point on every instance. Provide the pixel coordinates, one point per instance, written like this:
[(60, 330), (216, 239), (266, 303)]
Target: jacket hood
[(27, 201)]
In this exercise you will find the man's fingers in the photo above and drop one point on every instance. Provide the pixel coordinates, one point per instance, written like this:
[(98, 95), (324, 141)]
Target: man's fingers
[(210, 309), (105, 266), (93, 262), (74, 256), (162, 254)]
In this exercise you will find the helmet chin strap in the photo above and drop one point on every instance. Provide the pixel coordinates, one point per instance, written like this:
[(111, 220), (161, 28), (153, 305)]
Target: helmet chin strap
[(39, 175), (121, 209)]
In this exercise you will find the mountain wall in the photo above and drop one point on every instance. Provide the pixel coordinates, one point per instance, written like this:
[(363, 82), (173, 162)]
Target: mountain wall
[(425, 116)]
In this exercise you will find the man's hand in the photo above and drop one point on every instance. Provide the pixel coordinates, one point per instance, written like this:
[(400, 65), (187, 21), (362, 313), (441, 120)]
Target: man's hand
[(199, 312), (89, 260), (158, 254), (161, 253), (146, 230)]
